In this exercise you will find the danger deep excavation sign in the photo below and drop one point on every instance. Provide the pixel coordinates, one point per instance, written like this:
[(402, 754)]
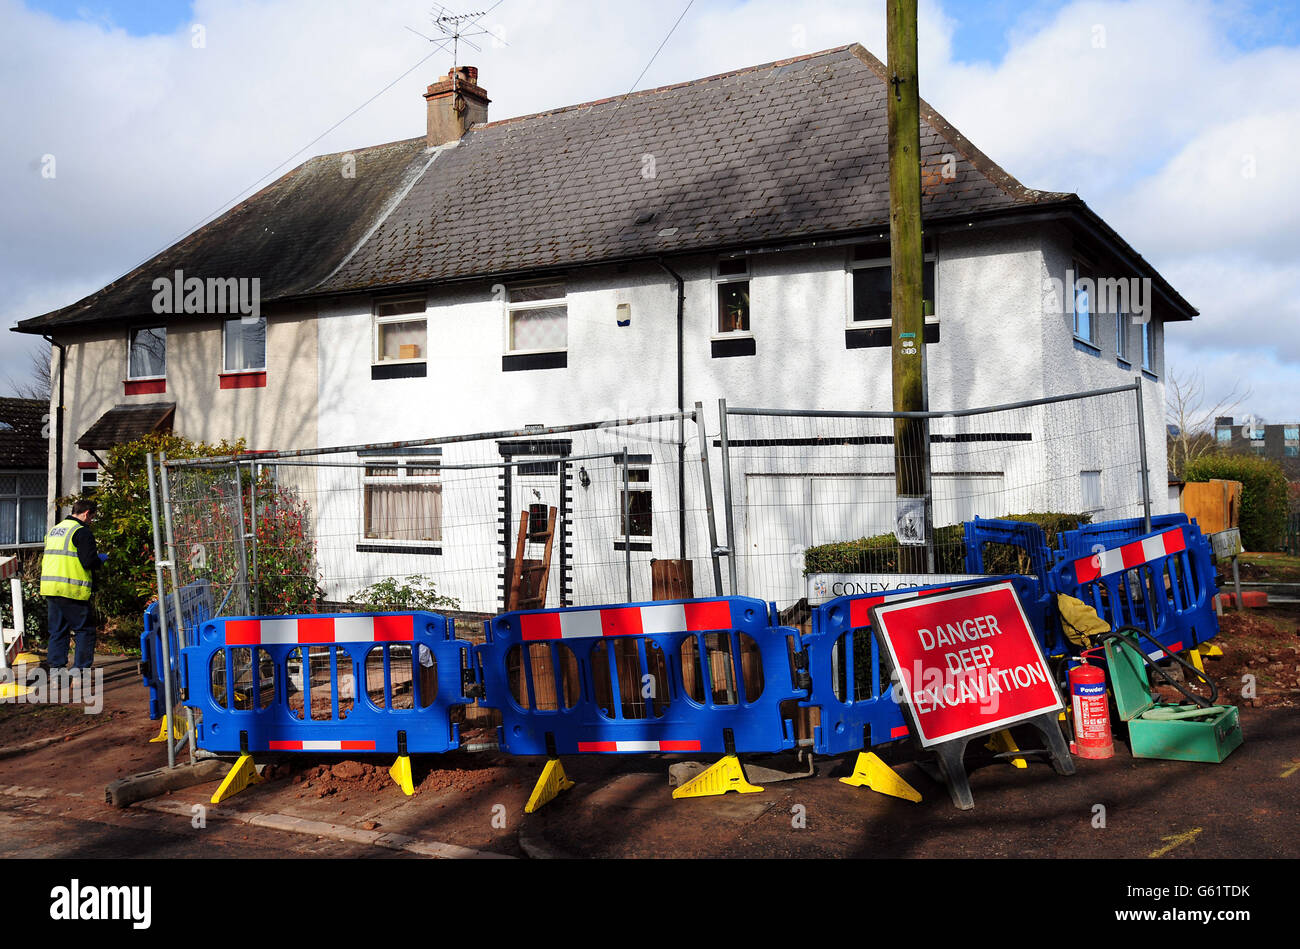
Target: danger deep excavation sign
[(968, 662)]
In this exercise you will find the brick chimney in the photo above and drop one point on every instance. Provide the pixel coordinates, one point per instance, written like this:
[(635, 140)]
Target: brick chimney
[(455, 106)]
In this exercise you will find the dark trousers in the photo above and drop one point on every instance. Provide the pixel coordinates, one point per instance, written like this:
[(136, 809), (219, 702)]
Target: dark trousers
[(66, 618)]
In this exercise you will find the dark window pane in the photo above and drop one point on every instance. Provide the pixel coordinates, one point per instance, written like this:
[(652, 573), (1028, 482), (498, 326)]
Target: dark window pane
[(148, 352), (733, 307)]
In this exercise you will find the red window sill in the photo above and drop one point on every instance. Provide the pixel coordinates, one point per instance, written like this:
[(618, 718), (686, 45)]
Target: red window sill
[(244, 380), (145, 386)]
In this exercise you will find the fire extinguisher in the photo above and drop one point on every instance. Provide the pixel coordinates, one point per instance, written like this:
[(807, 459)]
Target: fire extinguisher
[(1092, 737)]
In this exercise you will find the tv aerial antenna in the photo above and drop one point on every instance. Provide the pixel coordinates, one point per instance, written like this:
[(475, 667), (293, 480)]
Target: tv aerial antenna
[(457, 28)]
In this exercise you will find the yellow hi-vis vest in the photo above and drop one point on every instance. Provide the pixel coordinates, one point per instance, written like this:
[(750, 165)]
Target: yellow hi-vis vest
[(61, 571)]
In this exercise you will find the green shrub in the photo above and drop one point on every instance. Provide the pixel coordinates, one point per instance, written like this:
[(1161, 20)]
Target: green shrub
[(1264, 491), (417, 593), (879, 554)]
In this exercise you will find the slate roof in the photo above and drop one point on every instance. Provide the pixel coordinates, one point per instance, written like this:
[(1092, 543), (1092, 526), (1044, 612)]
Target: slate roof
[(22, 444), (780, 152), (126, 423)]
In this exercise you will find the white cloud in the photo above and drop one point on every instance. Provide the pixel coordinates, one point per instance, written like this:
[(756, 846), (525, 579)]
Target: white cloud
[(1142, 107)]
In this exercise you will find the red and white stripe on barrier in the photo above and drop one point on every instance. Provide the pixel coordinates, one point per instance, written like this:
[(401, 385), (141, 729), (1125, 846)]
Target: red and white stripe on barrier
[(1128, 556), (320, 629), (638, 746), (8, 567), (626, 621), (321, 745), (860, 610)]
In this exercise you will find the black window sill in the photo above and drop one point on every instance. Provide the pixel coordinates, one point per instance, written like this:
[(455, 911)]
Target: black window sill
[(1123, 363), (525, 361), (401, 370), (742, 346), (637, 546), (870, 337), (386, 549), (1149, 374), (1084, 346)]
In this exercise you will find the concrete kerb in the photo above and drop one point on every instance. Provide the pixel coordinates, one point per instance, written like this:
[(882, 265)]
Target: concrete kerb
[(139, 787), (339, 832)]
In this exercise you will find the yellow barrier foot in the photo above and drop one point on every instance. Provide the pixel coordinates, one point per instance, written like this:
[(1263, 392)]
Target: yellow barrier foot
[(1001, 742), (25, 659), (241, 775), (872, 773), (1212, 650), (552, 781), (13, 690), (401, 773), (179, 728), (1195, 656), (718, 778)]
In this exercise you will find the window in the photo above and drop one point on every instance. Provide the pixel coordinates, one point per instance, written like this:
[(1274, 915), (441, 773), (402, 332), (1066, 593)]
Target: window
[(401, 330), (148, 353), (1090, 487), (1149, 346), (244, 344), (22, 508), (732, 278), (638, 497), (1085, 322), (1121, 336), (89, 480), (872, 284), (402, 500), (1224, 436), (537, 318)]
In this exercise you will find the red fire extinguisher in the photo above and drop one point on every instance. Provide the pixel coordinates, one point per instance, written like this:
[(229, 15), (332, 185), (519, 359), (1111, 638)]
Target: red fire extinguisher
[(1091, 714)]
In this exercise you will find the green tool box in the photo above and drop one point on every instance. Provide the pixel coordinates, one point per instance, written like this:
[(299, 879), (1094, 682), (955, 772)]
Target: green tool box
[(1210, 735)]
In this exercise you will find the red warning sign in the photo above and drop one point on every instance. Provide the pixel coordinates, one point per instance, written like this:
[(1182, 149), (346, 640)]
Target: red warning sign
[(968, 661)]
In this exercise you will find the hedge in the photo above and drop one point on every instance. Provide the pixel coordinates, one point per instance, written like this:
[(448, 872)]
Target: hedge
[(879, 554), (1263, 495)]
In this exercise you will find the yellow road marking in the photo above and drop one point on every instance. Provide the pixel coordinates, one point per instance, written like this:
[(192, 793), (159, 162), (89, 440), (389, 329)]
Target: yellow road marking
[(1177, 840)]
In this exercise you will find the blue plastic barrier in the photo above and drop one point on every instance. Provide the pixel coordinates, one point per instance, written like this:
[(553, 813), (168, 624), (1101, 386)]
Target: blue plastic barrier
[(1162, 582), (358, 682), (1087, 539), (672, 676), (858, 708), (1036, 598), (196, 607)]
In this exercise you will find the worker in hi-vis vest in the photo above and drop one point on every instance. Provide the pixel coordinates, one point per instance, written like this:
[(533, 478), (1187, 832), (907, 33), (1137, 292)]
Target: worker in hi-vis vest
[(67, 569)]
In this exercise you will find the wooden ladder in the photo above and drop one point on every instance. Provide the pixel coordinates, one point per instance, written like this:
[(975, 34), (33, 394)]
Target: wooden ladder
[(537, 572)]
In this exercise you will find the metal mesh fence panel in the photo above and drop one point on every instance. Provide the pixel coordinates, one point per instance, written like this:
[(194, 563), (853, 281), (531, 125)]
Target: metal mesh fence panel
[(818, 494), (439, 526)]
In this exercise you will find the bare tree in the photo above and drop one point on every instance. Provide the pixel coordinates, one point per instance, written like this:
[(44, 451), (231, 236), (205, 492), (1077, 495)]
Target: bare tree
[(38, 384), (1190, 420)]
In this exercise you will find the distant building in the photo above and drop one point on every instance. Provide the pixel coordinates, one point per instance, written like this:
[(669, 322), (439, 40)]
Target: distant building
[(1281, 443), (24, 456)]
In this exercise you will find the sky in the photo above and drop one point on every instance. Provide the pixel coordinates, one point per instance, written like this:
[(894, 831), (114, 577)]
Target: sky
[(130, 123)]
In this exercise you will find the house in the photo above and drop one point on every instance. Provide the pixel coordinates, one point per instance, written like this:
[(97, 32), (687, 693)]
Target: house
[(24, 463), (725, 237)]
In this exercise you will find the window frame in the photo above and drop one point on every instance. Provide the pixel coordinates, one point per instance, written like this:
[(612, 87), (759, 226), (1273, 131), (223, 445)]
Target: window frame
[(1149, 346), (510, 309), (16, 500), (928, 257), (225, 328), (130, 340), (1101, 494), (1123, 323), (403, 464), (719, 280), (376, 321), (636, 464), (1082, 269)]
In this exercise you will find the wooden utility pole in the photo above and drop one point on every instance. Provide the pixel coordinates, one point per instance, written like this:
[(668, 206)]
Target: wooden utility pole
[(911, 436)]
